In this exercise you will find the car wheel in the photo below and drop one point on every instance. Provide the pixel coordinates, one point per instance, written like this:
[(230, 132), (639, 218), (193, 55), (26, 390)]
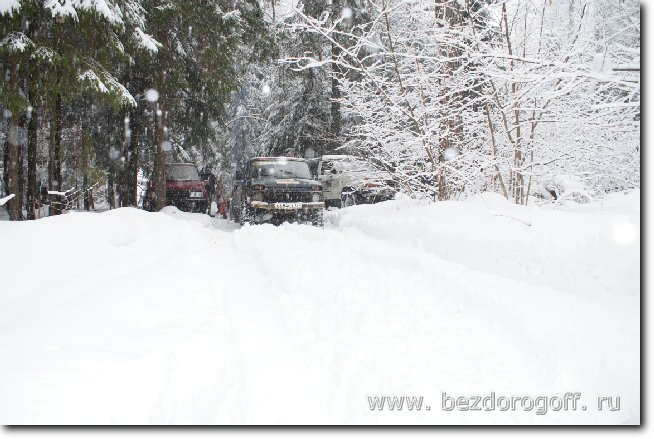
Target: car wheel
[(318, 218), (347, 200)]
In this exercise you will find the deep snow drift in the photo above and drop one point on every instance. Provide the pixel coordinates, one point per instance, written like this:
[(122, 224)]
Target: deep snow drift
[(135, 317)]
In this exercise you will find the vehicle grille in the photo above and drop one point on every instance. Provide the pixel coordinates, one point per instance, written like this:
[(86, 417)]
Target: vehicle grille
[(177, 194), (287, 197)]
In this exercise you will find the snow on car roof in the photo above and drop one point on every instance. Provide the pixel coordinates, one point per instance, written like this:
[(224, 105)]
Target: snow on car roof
[(337, 157), (278, 158)]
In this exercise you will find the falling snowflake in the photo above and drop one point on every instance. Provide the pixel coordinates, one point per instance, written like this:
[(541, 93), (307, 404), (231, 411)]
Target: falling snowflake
[(449, 154), (265, 90), (17, 136), (346, 14), (152, 95)]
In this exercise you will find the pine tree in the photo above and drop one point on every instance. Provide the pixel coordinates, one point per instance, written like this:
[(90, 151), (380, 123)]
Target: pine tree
[(195, 73), (70, 48)]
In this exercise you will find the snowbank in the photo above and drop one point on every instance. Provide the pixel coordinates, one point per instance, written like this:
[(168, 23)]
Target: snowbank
[(586, 249), (132, 317)]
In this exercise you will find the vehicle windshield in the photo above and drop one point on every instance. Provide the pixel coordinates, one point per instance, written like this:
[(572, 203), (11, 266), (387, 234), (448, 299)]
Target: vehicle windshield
[(280, 169), (182, 173), (346, 165)]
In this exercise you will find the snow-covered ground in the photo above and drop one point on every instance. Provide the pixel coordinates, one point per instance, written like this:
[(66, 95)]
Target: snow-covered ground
[(132, 317)]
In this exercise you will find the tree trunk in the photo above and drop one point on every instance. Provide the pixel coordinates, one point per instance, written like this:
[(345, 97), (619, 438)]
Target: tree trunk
[(336, 91), (517, 181), (123, 196), (160, 162), (5, 166), (21, 161), (51, 155), (448, 14), (57, 147), (160, 134), (85, 165), (111, 194), (85, 187), (14, 206), (32, 132), (54, 166), (129, 174)]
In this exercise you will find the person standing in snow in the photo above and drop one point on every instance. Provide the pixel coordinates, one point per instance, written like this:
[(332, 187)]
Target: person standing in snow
[(222, 197)]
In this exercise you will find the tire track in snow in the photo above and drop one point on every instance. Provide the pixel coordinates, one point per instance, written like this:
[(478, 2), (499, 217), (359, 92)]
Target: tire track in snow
[(504, 318)]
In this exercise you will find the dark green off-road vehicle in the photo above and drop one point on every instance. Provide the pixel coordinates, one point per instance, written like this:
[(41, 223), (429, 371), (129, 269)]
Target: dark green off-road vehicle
[(277, 189)]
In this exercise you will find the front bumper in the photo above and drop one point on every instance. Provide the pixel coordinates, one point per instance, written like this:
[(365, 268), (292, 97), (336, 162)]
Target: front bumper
[(186, 200), (288, 207), (385, 194)]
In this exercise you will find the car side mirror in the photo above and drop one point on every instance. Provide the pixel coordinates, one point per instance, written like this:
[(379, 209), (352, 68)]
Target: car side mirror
[(334, 171)]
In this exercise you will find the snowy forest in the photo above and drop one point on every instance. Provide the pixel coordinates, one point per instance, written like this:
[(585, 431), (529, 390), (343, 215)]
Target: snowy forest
[(320, 212), (532, 99)]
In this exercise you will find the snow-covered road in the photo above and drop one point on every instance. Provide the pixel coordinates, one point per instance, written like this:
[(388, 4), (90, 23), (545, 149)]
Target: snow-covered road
[(135, 317)]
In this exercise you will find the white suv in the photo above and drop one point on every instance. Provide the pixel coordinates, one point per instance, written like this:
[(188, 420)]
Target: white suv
[(348, 180)]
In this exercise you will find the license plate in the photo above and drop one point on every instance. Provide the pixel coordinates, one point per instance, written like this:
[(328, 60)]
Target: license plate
[(288, 205), (196, 194)]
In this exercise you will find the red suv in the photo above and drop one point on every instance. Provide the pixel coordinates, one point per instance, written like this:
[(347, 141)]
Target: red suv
[(185, 189)]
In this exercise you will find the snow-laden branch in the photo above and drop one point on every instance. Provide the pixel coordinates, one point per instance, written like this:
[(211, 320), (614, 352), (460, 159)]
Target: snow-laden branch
[(4, 200), (424, 85)]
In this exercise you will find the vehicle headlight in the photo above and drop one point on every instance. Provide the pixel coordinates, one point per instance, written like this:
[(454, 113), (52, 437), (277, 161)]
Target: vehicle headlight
[(316, 187), (316, 197), (257, 196), (258, 187)]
